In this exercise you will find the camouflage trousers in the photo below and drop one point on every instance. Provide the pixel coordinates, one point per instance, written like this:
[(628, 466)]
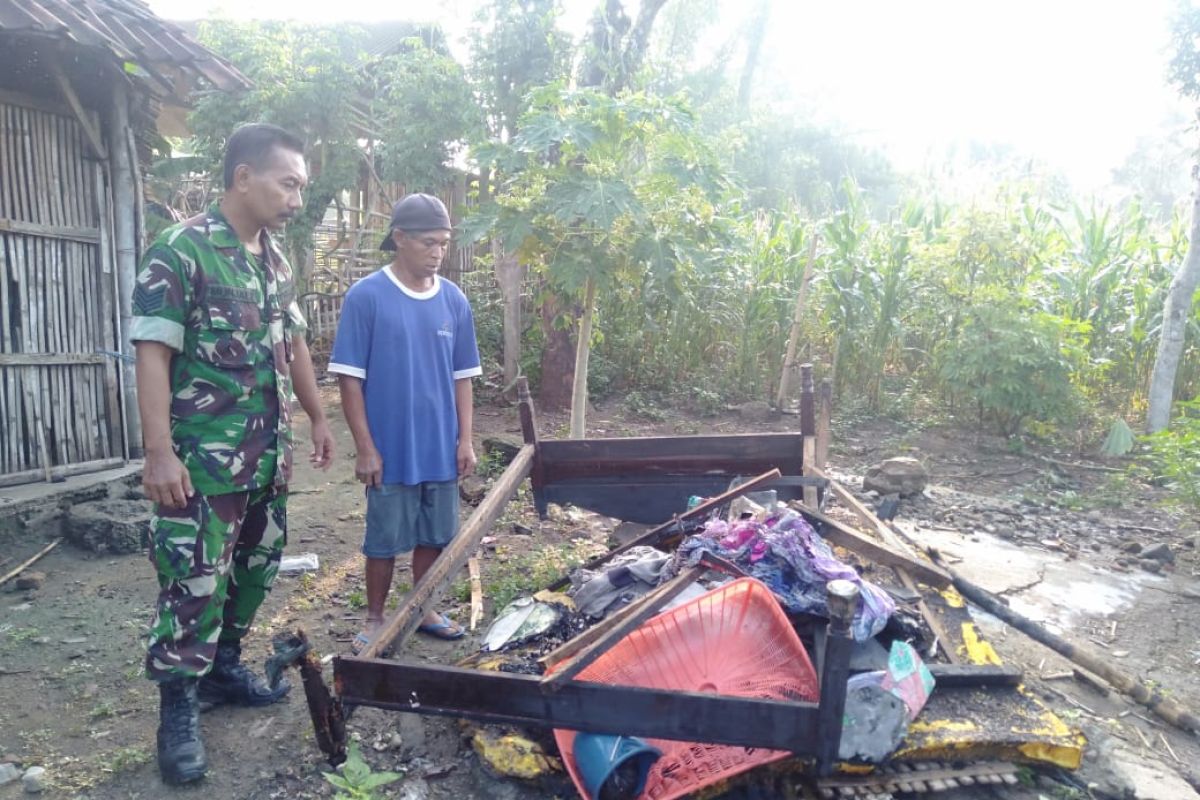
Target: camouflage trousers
[(216, 560)]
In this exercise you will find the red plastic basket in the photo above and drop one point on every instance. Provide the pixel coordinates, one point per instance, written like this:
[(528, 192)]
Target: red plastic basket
[(734, 640)]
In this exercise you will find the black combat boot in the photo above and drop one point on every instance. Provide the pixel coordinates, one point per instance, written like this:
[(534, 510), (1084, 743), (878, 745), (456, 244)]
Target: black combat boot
[(180, 751), (231, 681)]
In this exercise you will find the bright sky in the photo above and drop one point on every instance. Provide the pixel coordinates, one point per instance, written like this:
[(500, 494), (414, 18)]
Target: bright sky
[(1073, 82)]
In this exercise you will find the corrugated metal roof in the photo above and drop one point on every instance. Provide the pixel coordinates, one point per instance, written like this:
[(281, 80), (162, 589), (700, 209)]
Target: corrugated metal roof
[(126, 28)]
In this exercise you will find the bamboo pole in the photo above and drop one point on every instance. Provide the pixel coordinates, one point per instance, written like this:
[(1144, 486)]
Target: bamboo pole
[(110, 329), (1134, 687), (17, 164), (60, 473), (29, 562), (9, 452), (786, 379), (125, 235)]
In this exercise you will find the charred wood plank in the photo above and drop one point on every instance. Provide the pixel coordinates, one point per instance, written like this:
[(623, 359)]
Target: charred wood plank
[(974, 675), (657, 534), (498, 697), (844, 536)]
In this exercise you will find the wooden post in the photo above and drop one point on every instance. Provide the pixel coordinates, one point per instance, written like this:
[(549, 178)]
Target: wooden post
[(91, 133), (824, 415), (835, 672), (125, 237), (808, 397), (808, 427), (528, 416)]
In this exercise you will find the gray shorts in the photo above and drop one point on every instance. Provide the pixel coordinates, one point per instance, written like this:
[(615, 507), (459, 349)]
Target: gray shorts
[(401, 517)]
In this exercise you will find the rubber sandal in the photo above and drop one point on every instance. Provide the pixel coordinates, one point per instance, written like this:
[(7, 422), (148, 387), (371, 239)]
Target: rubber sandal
[(446, 629)]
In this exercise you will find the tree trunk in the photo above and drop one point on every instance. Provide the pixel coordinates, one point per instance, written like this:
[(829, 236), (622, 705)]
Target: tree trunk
[(637, 42), (583, 349), (754, 40), (1176, 311), (509, 274), (557, 362)]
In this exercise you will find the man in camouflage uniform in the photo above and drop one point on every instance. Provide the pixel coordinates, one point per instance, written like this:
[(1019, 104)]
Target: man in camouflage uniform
[(220, 347)]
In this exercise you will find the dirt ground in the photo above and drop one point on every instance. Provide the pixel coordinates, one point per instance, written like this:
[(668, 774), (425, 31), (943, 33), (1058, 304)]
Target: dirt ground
[(1053, 538)]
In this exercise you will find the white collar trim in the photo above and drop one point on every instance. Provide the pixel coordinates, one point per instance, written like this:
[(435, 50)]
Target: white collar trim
[(425, 295)]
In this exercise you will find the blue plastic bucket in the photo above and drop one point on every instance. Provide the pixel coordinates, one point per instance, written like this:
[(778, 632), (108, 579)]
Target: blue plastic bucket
[(615, 766)]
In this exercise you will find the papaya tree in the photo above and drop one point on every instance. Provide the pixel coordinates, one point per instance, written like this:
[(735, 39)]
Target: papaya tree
[(600, 191), (516, 46)]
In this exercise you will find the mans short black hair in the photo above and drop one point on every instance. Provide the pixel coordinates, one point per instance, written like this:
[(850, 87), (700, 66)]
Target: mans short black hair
[(252, 144)]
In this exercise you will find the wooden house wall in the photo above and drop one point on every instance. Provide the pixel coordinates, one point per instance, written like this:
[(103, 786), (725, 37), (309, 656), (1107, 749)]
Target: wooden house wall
[(60, 408)]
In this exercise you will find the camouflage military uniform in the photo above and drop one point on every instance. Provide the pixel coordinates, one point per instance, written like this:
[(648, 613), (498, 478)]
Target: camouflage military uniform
[(230, 317)]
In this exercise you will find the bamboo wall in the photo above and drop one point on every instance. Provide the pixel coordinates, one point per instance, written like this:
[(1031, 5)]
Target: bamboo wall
[(59, 395)]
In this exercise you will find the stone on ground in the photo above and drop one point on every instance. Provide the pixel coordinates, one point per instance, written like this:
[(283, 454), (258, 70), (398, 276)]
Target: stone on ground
[(472, 489), (1118, 772), (34, 779), (902, 475), (756, 411), (8, 773), (1159, 552), (110, 526), (30, 580)]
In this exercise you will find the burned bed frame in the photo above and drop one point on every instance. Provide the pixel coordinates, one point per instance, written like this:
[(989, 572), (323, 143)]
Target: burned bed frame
[(638, 479)]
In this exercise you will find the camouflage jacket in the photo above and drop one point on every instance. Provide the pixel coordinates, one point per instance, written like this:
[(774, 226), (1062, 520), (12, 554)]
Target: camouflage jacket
[(230, 317)]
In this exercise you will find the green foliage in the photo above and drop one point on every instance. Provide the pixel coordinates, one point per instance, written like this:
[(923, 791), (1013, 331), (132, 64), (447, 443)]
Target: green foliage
[(604, 188), (306, 79), (126, 758), (526, 573), (1012, 366), (647, 405), (490, 464), (1119, 440), (424, 111), (784, 159), (461, 591), (357, 781), (1175, 455), (516, 46), (317, 82), (1184, 68)]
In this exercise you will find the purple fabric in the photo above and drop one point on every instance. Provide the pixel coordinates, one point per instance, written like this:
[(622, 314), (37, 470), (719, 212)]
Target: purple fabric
[(786, 554)]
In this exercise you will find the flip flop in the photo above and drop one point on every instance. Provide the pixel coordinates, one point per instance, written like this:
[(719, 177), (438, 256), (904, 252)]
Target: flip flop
[(446, 629), (361, 640)]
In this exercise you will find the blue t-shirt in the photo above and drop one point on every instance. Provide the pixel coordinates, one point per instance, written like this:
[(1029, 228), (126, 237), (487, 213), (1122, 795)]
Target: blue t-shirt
[(408, 348)]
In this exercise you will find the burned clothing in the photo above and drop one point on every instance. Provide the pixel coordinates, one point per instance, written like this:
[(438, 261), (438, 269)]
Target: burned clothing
[(216, 560), (230, 316)]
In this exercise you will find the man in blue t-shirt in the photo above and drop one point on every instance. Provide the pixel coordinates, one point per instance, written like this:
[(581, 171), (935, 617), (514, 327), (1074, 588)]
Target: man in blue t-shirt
[(404, 355)]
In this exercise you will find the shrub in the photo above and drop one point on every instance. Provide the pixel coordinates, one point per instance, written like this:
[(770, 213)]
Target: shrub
[(1013, 366), (1175, 455)]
